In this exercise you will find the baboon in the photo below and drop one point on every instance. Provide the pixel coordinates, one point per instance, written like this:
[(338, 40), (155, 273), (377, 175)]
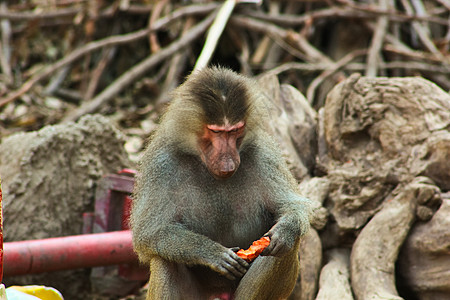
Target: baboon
[(211, 181)]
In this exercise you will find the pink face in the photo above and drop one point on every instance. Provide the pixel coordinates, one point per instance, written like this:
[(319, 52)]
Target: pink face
[(219, 147)]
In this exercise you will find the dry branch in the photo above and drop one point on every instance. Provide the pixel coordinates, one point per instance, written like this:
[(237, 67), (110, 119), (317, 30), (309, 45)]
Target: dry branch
[(331, 69), (26, 16), (214, 34), (377, 42), (92, 46), (5, 46), (137, 71)]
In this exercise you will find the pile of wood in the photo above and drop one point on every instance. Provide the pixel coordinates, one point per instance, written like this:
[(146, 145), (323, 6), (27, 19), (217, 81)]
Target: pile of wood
[(62, 59)]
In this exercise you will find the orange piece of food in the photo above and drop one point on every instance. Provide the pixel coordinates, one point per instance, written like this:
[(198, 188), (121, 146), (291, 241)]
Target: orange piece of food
[(254, 250)]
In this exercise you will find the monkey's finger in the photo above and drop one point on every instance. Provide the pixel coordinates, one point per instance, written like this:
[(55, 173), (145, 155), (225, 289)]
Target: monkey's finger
[(222, 269), (230, 264), (269, 249), (235, 271), (241, 261), (276, 250), (228, 274), (235, 264)]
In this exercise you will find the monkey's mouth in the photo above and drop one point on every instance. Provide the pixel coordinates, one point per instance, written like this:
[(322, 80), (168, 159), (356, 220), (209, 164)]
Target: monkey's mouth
[(219, 174), (222, 176)]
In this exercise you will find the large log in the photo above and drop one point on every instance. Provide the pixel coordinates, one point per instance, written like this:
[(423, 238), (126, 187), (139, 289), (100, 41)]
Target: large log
[(384, 145), (293, 122), (375, 251), (310, 263), (425, 257), (377, 133), (335, 276)]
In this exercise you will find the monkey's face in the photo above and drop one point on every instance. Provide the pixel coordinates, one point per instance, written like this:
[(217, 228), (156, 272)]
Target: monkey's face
[(219, 148)]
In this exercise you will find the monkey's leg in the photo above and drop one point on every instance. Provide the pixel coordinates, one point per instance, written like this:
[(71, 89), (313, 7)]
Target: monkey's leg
[(269, 278), (171, 281)]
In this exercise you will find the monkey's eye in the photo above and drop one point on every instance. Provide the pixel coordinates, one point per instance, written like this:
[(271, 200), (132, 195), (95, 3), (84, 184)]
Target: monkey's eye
[(215, 131)]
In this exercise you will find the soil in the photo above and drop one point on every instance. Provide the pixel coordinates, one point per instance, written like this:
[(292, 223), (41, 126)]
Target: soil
[(49, 178)]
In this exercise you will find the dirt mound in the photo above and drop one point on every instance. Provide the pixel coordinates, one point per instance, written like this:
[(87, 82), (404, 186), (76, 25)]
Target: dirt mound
[(49, 178)]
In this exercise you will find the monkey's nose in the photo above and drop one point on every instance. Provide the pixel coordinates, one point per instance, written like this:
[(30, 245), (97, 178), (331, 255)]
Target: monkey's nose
[(227, 168)]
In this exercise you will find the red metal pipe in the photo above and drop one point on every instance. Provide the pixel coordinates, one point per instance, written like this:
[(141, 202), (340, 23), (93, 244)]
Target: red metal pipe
[(71, 252)]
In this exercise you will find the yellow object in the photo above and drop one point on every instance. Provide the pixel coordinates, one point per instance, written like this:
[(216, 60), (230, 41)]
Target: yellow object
[(39, 291), (3, 292)]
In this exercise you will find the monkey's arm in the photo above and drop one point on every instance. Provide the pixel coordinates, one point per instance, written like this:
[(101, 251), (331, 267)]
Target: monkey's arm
[(292, 222), (174, 242)]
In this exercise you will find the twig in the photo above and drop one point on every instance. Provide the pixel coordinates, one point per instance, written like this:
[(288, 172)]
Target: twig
[(306, 67), (175, 68), (73, 11), (5, 49), (399, 47), (353, 12), (413, 54), (261, 50), (422, 32), (311, 91), (57, 80), (98, 71), (266, 42), (406, 65), (393, 15), (137, 71), (445, 3), (377, 42), (214, 34), (27, 16), (312, 54), (156, 12), (244, 56), (106, 56), (274, 49), (110, 41)]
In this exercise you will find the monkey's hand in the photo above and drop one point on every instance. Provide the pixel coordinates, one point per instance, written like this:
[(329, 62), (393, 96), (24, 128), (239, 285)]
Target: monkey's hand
[(229, 264), (281, 240)]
